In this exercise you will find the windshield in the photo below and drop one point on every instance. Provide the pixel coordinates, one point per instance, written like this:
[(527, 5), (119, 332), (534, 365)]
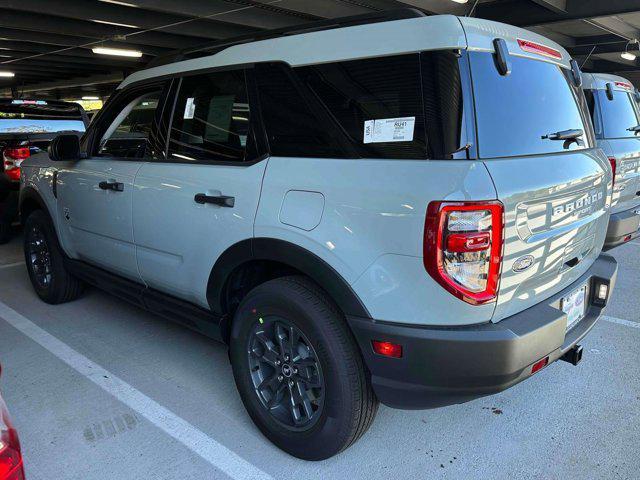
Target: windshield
[(517, 114), (23, 116), (619, 114)]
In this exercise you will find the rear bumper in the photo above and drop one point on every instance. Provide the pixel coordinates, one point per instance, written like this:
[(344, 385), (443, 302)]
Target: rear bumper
[(623, 227), (444, 366)]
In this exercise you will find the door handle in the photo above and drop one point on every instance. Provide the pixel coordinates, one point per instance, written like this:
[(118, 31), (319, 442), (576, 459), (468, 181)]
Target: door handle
[(115, 186), (221, 200)]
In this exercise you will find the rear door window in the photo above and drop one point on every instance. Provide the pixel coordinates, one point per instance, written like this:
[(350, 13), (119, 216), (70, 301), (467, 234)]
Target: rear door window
[(618, 114), (515, 111), (211, 119)]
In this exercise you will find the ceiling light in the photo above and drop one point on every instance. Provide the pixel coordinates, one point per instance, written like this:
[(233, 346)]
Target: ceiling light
[(89, 97), (119, 52), (115, 24), (627, 55), (460, 1), (116, 2), (7, 74)]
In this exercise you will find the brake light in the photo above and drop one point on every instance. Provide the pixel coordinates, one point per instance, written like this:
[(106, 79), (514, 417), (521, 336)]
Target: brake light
[(463, 248), (10, 456), (612, 161), (624, 85), (539, 49), (12, 159)]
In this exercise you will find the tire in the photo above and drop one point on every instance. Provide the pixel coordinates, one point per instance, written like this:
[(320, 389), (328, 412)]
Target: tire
[(343, 407), (49, 277), (5, 233)]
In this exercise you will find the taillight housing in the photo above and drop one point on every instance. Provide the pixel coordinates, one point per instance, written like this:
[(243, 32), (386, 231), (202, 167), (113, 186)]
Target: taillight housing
[(463, 248), (612, 161), (10, 456), (12, 158)]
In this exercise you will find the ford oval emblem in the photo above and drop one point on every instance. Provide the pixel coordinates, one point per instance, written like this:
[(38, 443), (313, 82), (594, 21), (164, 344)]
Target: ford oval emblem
[(521, 264)]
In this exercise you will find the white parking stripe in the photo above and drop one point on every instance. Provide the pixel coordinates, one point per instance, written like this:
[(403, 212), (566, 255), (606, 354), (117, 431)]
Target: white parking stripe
[(621, 321), (9, 265), (197, 441)]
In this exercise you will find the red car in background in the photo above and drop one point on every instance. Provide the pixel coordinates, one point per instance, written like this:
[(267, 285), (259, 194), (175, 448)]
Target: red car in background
[(10, 454)]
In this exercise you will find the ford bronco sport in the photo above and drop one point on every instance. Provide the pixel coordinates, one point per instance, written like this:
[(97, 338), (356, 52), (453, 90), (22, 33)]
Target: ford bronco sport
[(614, 107), (408, 211)]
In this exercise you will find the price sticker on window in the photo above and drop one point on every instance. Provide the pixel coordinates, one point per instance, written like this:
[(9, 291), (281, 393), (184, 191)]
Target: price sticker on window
[(389, 130), (189, 108)]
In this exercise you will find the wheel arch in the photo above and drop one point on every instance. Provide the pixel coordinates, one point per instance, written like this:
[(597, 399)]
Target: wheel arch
[(291, 259), (31, 200)]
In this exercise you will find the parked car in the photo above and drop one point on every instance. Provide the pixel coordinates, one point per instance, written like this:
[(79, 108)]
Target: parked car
[(26, 128), (358, 221), (11, 467), (614, 107)]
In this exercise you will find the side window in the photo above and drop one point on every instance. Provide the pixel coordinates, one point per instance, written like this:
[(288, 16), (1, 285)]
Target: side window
[(619, 114), (130, 133), (211, 119), (377, 103)]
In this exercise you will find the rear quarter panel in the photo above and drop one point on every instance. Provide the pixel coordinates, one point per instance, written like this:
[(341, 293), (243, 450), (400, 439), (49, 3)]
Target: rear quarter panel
[(372, 225)]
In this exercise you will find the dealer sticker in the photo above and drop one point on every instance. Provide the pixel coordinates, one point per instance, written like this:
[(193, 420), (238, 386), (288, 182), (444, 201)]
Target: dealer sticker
[(389, 130), (189, 108)]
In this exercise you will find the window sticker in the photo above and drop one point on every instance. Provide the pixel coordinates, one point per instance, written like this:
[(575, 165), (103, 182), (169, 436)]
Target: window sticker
[(189, 108), (389, 130)]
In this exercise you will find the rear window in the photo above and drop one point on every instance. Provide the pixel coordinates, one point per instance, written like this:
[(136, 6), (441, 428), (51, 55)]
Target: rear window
[(618, 114), (20, 116), (515, 111)]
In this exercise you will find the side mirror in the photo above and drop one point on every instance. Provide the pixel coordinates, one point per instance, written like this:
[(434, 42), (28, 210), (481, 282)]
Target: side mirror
[(64, 147), (576, 74), (610, 91)]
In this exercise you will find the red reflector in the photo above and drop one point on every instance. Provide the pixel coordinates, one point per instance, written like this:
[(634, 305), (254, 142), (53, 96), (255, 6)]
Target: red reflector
[(612, 161), (539, 49), (387, 349), (539, 365), (468, 242), (627, 238)]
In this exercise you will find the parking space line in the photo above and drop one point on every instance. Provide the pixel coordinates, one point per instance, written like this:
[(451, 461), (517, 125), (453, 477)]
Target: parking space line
[(620, 321), (191, 437), (9, 265)]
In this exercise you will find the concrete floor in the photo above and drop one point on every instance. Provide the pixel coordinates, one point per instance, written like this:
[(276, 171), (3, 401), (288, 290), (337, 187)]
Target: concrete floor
[(99, 389)]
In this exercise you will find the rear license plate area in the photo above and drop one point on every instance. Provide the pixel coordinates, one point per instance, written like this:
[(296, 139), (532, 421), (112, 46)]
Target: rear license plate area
[(574, 305)]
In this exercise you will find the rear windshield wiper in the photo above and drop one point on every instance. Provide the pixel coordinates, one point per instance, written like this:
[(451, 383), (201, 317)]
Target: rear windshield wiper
[(573, 134), (635, 129)]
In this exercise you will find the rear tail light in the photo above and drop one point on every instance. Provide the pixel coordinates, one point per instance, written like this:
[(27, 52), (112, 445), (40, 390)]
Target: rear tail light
[(463, 248), (612, 161), (10, 455), (12, 159)]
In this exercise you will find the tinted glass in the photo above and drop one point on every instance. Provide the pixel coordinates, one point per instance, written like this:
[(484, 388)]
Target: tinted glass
[(293, 127), (618, 114), (376, 102), (129, 134), (515, 111), (38, 116), (211, 119)]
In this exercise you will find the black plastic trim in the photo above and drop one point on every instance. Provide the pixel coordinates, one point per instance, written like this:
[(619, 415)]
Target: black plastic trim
[(288, 254)]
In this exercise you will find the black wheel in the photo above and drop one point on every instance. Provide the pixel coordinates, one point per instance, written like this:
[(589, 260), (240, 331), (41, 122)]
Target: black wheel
[(5, 232), (45, 263), (299, 371)]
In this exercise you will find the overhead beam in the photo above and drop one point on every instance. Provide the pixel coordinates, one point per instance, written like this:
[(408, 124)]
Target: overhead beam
[(527, 12), (71, 83)]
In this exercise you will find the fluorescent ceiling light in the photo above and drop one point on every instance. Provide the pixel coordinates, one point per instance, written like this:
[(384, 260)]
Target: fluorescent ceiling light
[(90, 98), (115, 24), (7, 74), (460, 1), (628, 56), (119, 52), (116, 2)]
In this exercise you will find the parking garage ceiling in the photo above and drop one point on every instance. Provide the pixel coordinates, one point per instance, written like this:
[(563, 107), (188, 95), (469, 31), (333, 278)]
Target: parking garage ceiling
[(48, 44)]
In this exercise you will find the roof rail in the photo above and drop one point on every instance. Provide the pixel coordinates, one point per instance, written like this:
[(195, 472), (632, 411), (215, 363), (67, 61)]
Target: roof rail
[(210, 48)]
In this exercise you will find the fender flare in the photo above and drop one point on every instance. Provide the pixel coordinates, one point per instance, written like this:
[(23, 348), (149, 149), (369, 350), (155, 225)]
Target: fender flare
[(27, 194), (289, 254)]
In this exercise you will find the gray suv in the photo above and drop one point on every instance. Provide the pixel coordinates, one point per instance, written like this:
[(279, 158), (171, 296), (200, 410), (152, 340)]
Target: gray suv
[(417, 221)]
